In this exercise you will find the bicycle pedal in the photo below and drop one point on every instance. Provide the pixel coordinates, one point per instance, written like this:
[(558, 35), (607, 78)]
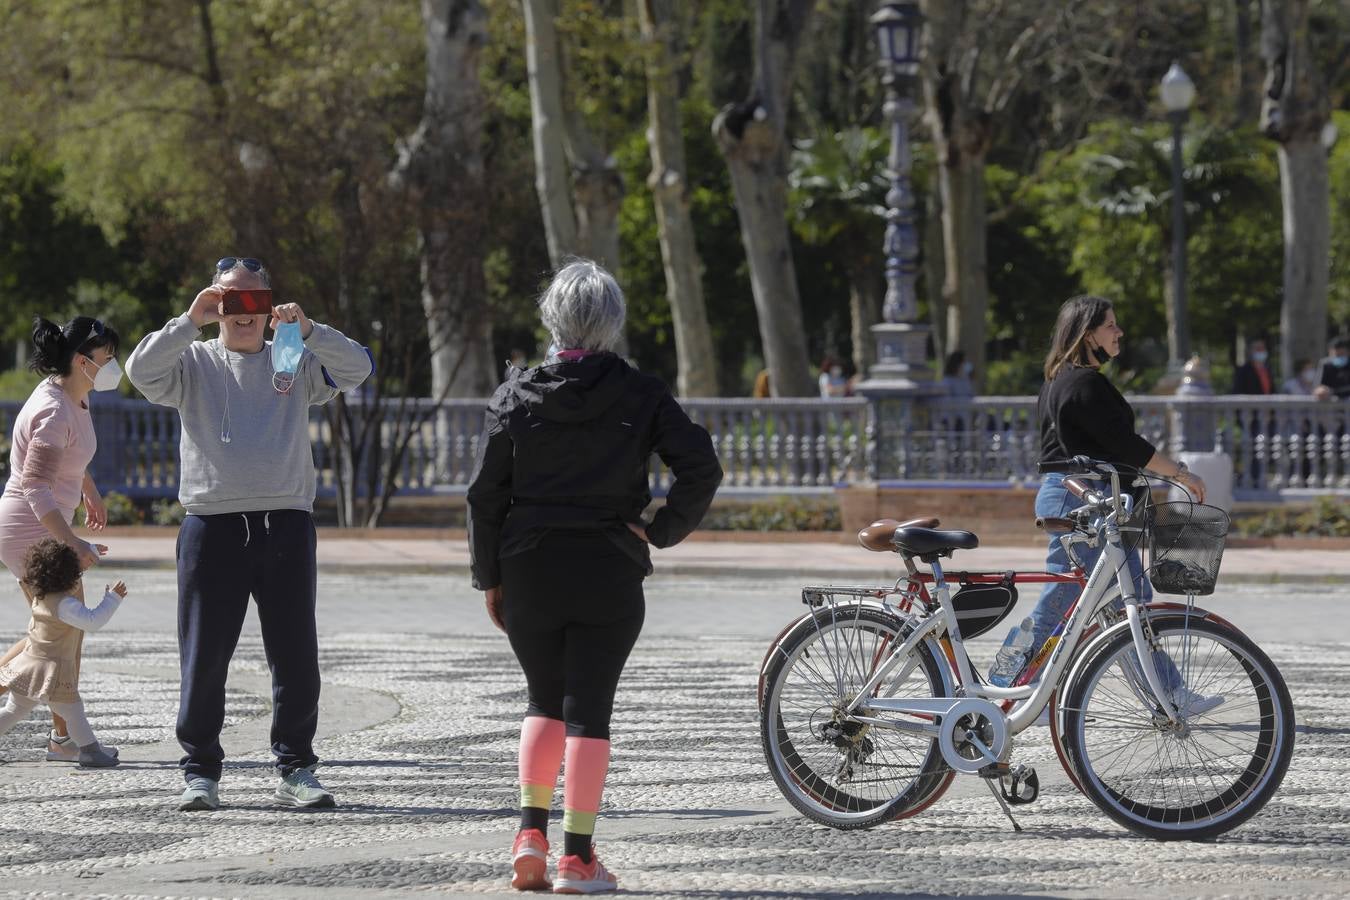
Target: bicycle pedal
[(996, 770), (1020, 786)]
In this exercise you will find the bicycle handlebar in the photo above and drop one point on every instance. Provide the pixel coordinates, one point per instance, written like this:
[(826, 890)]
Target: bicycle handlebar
[(1076, 465)]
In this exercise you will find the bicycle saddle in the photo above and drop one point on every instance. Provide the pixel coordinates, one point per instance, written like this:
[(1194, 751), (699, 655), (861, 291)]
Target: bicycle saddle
[(928, 544), (880, 535)]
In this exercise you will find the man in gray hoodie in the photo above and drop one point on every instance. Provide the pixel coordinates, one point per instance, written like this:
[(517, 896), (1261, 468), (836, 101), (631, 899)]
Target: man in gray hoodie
[(247, 482)]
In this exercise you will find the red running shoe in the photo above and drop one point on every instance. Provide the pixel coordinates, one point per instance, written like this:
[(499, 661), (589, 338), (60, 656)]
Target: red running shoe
[(577, 877), (529, 860)]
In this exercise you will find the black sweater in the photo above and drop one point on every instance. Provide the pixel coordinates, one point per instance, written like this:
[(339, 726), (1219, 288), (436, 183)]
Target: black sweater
[(566, 447), (1080, 411)]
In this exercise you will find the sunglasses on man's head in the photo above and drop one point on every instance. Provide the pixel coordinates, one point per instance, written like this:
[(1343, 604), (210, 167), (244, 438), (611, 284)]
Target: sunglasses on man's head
[(227, 263)]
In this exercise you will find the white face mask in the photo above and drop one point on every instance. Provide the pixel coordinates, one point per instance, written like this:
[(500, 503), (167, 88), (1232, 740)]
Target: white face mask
[(109, 375)]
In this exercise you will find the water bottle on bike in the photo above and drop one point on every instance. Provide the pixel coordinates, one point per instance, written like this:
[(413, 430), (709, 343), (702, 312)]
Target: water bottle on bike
[(1013, 655)]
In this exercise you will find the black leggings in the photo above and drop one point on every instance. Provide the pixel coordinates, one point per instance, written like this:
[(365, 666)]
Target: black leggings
[(573, 608)]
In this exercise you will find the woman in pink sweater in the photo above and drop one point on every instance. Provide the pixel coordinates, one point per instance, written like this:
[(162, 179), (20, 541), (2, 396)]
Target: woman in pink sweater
[(52, 445)]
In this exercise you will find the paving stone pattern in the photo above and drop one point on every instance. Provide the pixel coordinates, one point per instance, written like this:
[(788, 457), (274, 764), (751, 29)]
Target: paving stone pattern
[(419, 741)]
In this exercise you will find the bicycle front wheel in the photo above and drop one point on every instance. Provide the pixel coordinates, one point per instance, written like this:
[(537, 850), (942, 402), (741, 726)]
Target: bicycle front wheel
[(832, 768), (1191, 781)]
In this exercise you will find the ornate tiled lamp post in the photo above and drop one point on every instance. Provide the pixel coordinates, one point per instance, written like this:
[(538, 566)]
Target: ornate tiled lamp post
[(901, 373)]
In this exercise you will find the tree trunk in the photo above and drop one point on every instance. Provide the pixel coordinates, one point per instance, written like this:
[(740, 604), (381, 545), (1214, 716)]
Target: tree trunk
[(866, 290), (1307, 248), (751, 136), (965, 288), (1294, 110), (935, 270), (442, 164), (962, 130), (544, 69), (696, 361), (1247, 101)]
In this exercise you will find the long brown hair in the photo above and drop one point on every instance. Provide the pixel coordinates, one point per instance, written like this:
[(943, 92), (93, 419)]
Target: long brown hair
[(1076, 318)]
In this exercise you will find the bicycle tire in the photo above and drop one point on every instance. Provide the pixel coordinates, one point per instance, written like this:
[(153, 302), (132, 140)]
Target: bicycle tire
[(847, 775), (1189, 784)]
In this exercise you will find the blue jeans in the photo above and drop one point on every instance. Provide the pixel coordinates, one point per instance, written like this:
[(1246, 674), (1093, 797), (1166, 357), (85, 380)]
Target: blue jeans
[(1053, 499)]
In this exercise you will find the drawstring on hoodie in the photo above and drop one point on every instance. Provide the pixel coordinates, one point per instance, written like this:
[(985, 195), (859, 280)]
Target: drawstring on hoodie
[(248, 535)]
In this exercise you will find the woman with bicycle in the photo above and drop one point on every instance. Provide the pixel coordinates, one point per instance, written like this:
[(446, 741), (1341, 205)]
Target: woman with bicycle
[(559, 546), (1080, 412)]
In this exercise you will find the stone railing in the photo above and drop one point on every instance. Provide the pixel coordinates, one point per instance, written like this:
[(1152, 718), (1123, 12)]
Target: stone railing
[(1281, 446)]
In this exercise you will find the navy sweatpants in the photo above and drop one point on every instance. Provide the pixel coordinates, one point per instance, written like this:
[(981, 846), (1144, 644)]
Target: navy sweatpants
[(222, 560)]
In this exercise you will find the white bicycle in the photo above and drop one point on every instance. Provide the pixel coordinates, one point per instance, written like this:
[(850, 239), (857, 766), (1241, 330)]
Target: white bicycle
[(1165, 715)]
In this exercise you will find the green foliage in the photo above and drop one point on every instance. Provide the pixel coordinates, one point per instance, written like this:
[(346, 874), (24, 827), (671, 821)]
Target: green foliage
[(1114, 190), (122, 510), (167, 512), (17, 384), (784, 513), (1338, 177), (1327, 517)]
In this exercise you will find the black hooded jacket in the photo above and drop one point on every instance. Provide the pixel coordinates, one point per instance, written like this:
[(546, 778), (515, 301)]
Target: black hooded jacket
[(566, 446)]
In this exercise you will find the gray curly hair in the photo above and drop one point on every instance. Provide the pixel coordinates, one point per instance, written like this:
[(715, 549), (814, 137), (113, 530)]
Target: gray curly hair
[(583, 307)]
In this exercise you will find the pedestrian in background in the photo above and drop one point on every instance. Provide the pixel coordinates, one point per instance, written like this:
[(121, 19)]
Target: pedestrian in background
[(1253, 376), (1334, 381), (956, 375), (560, 549)]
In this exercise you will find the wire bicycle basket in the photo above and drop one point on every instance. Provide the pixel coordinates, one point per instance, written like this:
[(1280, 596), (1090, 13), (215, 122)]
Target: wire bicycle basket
[(1185, 546)]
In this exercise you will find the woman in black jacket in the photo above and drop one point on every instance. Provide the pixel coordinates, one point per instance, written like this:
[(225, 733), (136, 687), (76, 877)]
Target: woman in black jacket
[(1081, 412), (559, 547)]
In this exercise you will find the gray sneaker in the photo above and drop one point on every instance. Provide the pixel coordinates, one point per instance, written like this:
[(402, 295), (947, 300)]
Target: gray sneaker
[(302, 788), (201, 794), (94, 756)]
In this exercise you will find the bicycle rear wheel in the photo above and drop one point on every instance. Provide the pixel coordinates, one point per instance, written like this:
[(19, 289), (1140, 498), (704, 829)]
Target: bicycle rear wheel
[(1187, 782), (832, 768)]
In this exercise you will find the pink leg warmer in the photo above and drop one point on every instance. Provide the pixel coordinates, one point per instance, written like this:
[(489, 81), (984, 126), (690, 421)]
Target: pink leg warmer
[(541, 754), (587, 763)]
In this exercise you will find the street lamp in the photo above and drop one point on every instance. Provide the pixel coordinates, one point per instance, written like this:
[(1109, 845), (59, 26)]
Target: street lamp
[(900, 379), (898, 27), (1178, 92)]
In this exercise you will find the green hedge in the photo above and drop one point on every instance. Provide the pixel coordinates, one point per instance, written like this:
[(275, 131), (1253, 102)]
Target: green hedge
[(775, 514), (1325, 518)]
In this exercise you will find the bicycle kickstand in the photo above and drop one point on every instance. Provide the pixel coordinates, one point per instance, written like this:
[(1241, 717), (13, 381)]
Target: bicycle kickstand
[(1007, 811)]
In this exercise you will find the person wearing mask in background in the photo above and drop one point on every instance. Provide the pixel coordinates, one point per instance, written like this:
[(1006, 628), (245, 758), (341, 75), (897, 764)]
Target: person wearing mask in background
[(247, 482), (1253, 376), (1303, 383), (51, 447), (833, 383), (558, 545), (1334, 382)]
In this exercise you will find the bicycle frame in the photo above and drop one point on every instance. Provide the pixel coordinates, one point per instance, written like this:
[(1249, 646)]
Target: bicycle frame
[(1096, 595)]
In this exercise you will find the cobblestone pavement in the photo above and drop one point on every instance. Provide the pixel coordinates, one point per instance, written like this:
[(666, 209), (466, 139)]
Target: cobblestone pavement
[(418, 732)]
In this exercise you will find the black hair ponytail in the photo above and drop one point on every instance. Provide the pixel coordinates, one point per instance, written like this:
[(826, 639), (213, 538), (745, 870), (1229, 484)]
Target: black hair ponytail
[(55, 346), (52, 353)]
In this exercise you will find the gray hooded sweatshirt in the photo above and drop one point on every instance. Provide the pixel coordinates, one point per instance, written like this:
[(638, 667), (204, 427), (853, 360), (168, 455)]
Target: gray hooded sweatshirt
[(267, 462)]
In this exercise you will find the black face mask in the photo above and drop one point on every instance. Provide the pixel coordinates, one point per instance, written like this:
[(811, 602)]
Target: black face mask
[(1099, 353)]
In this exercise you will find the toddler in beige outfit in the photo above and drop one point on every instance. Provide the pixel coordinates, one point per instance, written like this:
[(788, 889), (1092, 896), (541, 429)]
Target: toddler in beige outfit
[(48, 669)]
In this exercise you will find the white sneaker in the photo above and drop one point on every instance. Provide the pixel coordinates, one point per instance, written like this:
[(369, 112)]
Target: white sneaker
[(201, 794), (302, 788), (1189, 703)]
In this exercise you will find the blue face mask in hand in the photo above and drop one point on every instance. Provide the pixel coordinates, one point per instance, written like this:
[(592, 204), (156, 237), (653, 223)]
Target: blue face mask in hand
[(287, 348)]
